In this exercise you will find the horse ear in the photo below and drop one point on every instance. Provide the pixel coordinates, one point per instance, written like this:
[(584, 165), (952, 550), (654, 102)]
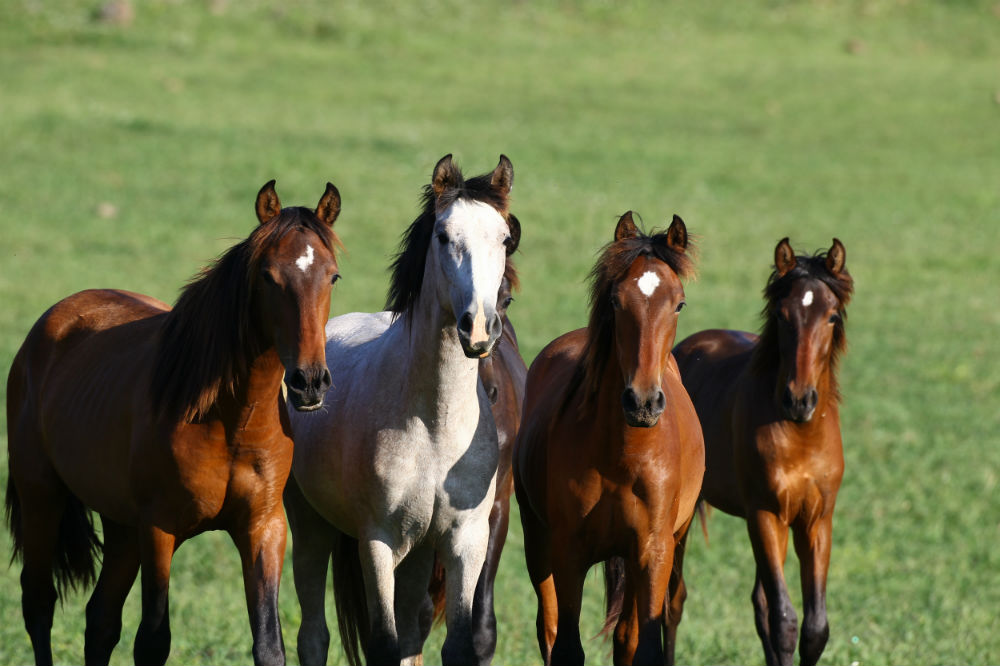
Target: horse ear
[(503, 176), (784, 257), (514, 225), (836, 257), (328, 207), (677, 234), (626, 227), (446, 175), (268, 205)]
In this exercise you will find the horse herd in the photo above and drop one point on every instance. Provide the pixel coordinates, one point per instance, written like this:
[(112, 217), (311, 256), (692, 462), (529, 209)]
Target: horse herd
[(411, 429)]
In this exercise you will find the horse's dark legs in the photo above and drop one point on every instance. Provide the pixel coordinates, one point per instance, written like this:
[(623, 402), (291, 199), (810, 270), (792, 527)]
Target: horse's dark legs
[(104, 610), (413, 602), (40, 517), (569, 573), (676, 596), (652, 582), (812, 545), (484, 619), (152, 640), (311, 548), (262, 552), (769, 538)]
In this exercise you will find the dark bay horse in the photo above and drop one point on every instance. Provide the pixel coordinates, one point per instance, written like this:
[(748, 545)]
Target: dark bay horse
[(769, 407), (609, 458), (167, 423), (502, 374), (401, 466)]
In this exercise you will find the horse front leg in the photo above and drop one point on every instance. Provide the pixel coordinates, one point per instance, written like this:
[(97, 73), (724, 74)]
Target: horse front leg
[(484, 619), (651, 584), (812, 545), (463, 558), (156, 552), (676, 596), (568, 573), (312, 545), (776, 621), (104, 610), (413, 603), (262, 554), (378, 567)]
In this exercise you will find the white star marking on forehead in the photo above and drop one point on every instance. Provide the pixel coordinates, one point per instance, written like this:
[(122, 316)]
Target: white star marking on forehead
[(807, 298), (648, 283), (305, 261)]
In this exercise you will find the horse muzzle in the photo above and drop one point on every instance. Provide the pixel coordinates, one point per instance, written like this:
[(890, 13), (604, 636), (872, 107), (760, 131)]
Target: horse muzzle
[(479, 338), (799, 408), (643, 411), (307, 386)]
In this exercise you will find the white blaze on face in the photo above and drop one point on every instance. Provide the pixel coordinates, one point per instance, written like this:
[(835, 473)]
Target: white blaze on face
[(648, 283), (807, 298), (478, 229), (305, 261)]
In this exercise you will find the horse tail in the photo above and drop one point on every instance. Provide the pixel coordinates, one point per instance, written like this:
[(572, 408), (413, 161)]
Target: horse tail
[(77, 544), (436, 589), (350, 600), (614, 592), (702, 508)]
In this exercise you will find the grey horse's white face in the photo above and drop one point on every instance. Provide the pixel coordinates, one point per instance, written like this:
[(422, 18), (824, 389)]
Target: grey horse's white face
[(467, 255)]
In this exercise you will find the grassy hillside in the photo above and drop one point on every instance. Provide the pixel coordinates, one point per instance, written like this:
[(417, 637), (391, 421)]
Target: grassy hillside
[(132, 154)]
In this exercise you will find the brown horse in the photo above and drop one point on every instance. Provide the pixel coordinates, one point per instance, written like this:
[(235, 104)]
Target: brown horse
[(610, 458), (168, 423), (502, 374), (769, 407)]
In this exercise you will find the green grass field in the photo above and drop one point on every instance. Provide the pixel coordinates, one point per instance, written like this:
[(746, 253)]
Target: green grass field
[(132, 155)]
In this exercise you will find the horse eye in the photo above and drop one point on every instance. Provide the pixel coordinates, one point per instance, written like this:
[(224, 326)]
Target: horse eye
[(835, 317), (442, 238), (268, 278), (507, 301), (333, 280), (680, 306)]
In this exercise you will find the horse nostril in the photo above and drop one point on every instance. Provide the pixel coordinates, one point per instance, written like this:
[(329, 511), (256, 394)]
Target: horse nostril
[(298, 380), (323, 381), (660, 401), (465, 323), (629, 400), (811, 398), (496, 326), (492, 393)]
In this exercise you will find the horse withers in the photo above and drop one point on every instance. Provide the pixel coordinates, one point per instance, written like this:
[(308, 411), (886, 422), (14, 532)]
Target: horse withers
[(769, 406), (400, 466), (167, 423), (609, 458)]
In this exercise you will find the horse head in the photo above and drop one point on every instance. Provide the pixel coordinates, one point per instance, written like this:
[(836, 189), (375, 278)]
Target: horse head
[(806, 300), (472, 236), (297, 269)]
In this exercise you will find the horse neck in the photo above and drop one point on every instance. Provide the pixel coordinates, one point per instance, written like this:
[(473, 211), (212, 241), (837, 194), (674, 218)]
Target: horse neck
[(255, 404), (437, 371)]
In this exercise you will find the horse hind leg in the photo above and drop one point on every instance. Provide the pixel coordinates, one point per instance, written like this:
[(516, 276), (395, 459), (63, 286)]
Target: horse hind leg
[(104, 610), (54, 536)]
